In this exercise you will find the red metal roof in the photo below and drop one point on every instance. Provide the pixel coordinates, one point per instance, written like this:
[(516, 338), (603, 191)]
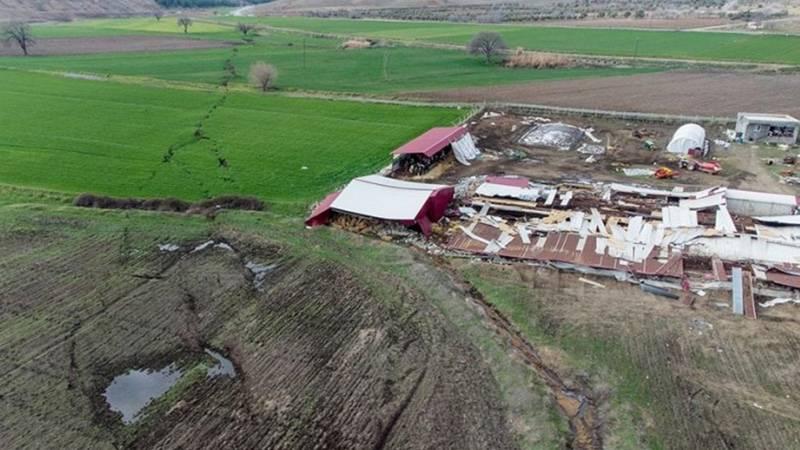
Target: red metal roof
[(563, 247), (432, 141)]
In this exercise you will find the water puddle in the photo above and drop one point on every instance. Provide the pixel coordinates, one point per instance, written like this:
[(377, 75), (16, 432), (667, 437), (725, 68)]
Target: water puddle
[(223, 368), (130, 393)]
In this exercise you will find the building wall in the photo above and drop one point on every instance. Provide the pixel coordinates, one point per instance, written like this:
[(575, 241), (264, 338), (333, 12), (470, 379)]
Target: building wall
[(759, 132)]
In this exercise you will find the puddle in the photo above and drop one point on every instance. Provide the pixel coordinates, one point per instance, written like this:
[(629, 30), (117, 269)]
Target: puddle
[(223, 368), (130, 392), (259, 272)]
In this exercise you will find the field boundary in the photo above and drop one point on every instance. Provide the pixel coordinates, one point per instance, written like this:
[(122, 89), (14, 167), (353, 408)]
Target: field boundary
[(529, 108)]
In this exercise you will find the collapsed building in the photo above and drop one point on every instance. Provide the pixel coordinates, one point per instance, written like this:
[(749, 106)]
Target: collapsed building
[(640, 234), (767, 128), (373, 196), (675, 243), (418, 155)]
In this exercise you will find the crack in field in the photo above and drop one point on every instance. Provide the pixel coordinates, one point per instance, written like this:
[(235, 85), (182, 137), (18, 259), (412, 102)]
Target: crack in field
[(199, 135), (575, 404)]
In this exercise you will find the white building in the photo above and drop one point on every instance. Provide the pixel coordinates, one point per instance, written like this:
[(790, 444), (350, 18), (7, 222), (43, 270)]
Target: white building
[(767, 128)]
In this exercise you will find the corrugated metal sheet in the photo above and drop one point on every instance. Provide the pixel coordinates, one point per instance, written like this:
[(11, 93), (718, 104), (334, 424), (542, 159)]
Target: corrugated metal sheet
[(384, 198), (503, 190), (570, 248)]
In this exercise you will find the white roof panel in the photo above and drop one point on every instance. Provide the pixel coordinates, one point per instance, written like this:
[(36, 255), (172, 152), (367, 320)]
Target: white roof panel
[(384, 198)]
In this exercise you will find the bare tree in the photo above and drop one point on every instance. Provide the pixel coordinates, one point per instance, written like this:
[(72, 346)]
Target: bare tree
[(263, 75), (18, 32), (245, 28), (158, 14), (185, 23), (488, 44)]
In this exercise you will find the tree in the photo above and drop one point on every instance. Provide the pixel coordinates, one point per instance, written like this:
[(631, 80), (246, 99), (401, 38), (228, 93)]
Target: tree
[(245, 28), (263, 75), (185, 23), (486, 43), (20, 33), (158, 14)]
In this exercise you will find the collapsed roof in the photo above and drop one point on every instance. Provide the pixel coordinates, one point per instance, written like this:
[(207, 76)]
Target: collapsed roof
[(387, 199), (431, 142)]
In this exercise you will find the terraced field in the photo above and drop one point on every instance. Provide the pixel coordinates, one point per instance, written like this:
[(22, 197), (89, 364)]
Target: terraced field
[(132, 140), (660, 44)]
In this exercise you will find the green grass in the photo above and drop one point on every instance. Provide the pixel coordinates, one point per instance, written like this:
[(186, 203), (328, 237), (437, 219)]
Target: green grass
[(76, 136), (661, 44), (132, 26), (322, 66)]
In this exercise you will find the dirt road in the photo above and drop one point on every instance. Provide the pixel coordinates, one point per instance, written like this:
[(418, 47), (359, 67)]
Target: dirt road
[(109, 44), (682, 93)]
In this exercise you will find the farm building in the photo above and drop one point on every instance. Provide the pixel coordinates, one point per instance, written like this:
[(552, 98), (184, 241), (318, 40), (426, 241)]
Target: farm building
[(767, 128), (687, 138), (417, 155), (387, 199)]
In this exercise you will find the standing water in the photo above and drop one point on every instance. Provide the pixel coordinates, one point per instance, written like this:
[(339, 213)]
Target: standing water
[(130, 392)]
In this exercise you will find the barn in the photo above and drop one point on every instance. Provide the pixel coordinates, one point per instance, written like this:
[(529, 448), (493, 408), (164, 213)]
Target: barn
[(374, 196)]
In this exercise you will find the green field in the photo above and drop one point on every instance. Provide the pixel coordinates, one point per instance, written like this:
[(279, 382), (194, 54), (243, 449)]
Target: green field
[(133, 26), (661, 44), (310, 64), (128, 140)]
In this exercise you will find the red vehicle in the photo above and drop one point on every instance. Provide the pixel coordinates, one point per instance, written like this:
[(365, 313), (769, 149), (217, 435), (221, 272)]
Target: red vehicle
[(710, 167)]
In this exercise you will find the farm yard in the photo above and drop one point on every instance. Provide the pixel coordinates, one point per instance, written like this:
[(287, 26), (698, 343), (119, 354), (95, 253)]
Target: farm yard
[(152, 239)]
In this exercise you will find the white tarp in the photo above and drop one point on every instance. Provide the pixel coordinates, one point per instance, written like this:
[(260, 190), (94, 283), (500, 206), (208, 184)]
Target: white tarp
[(464, 149), (687, 137), (377, 196), (501, 190)]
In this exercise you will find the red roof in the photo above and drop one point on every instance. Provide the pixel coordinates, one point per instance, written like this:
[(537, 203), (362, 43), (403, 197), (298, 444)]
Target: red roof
[(432, 142)]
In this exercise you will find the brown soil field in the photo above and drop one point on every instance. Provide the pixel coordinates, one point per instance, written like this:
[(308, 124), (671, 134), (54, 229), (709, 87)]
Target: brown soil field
[(679, 93), (325, 358), (66, 9), (110, 44)]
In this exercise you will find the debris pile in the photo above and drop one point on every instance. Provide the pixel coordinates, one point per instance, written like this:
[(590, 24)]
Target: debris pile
[(637, 233)]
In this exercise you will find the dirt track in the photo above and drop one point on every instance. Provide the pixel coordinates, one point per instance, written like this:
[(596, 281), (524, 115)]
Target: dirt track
[(110, 44), (682, 93)]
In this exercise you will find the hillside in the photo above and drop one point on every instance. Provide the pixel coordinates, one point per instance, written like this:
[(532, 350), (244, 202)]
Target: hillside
[(67, 9)]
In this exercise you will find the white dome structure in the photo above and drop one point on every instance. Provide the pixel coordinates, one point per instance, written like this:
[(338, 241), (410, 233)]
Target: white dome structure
[(687, 137)]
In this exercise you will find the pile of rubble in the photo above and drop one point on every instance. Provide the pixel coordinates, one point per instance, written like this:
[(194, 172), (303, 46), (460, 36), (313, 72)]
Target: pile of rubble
[(717, 238)]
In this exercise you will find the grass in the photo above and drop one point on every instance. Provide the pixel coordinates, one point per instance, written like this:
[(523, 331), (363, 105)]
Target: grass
[(661, 44), (130, 140), (315, 64), (132, 26), (599, 356)]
